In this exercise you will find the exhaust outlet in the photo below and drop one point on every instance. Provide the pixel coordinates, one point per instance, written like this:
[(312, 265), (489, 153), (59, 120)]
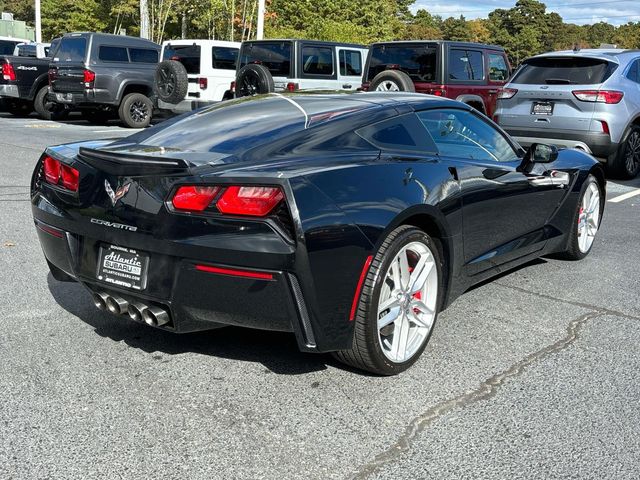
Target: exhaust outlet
[(100, 300), (155, 316), (117, 305), (136, 311)]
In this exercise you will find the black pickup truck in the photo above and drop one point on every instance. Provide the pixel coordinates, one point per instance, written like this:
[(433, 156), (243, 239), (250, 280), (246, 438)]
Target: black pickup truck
[(24, 85)]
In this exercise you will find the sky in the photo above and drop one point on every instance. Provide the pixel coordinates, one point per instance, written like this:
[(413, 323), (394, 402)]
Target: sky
[(580, 12)]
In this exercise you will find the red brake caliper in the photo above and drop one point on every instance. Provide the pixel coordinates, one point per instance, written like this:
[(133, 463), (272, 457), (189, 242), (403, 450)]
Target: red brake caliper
[(417, 295)]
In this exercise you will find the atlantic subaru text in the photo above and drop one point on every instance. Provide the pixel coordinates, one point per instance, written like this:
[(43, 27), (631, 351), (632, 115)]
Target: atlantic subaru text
[(350, 220)]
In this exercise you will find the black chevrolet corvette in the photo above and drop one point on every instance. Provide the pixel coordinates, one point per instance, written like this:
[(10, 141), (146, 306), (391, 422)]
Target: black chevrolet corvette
[(349, 220)]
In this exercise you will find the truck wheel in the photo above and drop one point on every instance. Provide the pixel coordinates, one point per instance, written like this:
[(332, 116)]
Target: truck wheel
[(171, 81), (46, 109), (254, 79), (136, 110), (19, 108), (625, 163), (392, 81)]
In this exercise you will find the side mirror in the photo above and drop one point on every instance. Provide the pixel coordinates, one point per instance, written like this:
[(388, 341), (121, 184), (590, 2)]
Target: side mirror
[(541, 153)]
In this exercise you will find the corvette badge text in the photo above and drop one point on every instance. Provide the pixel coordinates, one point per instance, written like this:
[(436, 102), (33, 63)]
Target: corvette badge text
[(120, 226)]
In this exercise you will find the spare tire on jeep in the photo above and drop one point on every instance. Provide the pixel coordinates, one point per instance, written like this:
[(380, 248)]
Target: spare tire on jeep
[(392, 81), (254, 79), (170, 81)]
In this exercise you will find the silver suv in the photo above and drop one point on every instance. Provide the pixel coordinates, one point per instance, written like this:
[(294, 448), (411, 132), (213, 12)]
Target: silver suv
[(588, 99)]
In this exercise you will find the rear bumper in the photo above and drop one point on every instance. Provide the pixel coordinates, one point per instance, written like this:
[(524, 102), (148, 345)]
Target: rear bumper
[(87, 97), (9, 91), (597, 144)]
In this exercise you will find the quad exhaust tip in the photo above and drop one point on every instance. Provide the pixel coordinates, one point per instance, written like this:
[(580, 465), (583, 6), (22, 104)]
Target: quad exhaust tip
[(136, 311), (100, 300), (155, 316), (150, 314), (117, 305)]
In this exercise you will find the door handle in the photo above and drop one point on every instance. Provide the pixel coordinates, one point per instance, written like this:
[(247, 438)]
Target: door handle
[(347, 85), (554, 178)]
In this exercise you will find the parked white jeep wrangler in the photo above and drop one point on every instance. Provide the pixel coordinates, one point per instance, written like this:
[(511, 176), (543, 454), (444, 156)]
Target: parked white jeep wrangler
[(194, 73), (266, 66)]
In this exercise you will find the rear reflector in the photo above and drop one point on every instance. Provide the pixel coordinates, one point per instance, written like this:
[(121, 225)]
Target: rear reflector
[(57, 173), (507, 93), (194, 198), (292, 87), (50, 230), (235, 273), (249, 200), (599, 96), (356, 296), (605, 127), (8, 73)]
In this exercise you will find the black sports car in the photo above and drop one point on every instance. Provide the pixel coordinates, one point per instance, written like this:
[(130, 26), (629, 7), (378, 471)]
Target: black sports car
[(349, 220)]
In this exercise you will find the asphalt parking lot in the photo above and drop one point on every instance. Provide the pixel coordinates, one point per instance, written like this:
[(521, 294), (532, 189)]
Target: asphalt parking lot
[(533, 375)]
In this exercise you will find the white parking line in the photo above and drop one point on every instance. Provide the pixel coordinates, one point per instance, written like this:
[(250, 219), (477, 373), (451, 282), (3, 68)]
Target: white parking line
[(621, 198)]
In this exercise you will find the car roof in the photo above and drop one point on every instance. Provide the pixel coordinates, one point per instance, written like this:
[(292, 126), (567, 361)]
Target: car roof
[(609, 54), (452, 43), (114, 39), (316, 42), (210, 43)]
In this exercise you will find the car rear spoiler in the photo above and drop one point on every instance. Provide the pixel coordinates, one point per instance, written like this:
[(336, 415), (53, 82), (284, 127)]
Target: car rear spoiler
[(130, 164)]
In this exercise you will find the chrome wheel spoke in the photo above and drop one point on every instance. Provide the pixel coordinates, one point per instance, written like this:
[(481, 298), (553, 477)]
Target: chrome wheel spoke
[(389, 318), (419, 321), (420, 274), (400, 339)]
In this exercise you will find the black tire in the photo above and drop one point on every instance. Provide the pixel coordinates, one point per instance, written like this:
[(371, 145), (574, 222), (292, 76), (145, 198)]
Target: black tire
[(46, 109), (136, 110), (573, 251), (19, 108), (171, 81), (366, 352), (254, 79), (625, 163), (392, 81)]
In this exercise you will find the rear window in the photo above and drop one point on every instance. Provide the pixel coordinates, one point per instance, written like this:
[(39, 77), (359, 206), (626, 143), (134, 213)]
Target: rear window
[(187, 55), (276, 56), (224, 58), (27, 51), (72, 49), (7, 47), (113, 54), (417, 61), (564, 71), (143, 55)]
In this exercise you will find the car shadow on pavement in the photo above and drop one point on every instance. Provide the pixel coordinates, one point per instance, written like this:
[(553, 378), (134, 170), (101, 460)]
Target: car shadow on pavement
[(277, 351)]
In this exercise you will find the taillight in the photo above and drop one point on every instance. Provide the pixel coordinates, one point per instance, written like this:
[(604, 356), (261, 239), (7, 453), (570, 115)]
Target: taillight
[(88, 77), (605, 127), (52, 74), (193, 198), (507, 93), (232, 87), (292, 87), (599, 96), (439, 91), (249, 200), (57, 173), (203, 83), (8, 73)]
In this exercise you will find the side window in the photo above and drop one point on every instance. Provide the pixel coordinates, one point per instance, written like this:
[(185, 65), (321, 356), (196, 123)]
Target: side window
[(317, 60), (350, 63), (460, 133), (399, 133), (498, 70), (113, 54), (465, 65), (224, 58), (143, 55), (634, 72)]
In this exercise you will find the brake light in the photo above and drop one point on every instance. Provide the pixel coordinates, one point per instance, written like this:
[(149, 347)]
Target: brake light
[(232, 87), (292, 87), (57, 173), (507, 93), (439, 91), (8, 73), (194, 198), (605, 127), (52, 74), (203, 83), (599, 96), (88, 77), (249, 200)]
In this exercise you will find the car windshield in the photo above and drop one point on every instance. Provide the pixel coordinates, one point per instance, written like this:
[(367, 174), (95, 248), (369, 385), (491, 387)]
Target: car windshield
[(564, 71), (187, 55), (276, 56), (418, 61), (72, 49)]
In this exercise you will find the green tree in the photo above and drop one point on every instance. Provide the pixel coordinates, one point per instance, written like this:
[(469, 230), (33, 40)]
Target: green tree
[(62, 16)]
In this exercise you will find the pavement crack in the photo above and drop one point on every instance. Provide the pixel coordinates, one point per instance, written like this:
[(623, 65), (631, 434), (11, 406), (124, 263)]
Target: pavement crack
[(486, 390)]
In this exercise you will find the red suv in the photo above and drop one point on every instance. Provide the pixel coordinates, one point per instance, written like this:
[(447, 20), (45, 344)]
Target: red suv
[(472, 73)]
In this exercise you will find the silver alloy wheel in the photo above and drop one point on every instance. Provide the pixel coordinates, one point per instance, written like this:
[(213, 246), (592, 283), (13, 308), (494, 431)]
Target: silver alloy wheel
[(632, 158), (407, 303), (388, 86), (139, 111), (589, 217)]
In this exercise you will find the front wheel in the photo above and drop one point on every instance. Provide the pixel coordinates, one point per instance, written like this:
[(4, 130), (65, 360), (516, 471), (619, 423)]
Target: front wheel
[(398, 304), (136, 110), (586, 221)]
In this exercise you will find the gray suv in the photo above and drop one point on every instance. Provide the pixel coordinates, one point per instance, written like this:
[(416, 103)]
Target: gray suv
[(588, 99), (101, 75)]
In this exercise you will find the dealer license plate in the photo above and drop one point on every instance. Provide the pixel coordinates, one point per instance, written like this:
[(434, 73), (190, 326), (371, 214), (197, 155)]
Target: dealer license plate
[(123, 267), (542, 108)]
